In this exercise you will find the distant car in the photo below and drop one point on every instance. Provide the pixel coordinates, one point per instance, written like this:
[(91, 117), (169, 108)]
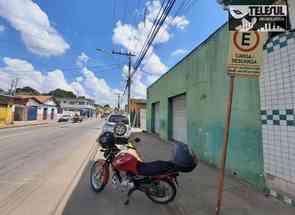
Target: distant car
[(113, 119), (65, 118), (77, 118), (105, 115)]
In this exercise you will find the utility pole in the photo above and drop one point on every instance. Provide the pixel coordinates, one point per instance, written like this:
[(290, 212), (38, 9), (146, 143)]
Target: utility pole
[(129, 55), (129, 83), (13, 86), (119, 101)]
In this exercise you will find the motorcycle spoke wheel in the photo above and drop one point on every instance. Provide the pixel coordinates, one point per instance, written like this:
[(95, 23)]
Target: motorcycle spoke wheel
[(162, 191), (97, 175)]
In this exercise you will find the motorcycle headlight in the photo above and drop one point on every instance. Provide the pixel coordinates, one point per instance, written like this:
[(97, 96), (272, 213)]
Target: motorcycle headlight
[(108, 128)]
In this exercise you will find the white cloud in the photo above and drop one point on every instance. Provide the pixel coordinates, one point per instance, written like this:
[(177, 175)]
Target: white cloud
[(98, 87), (79, 89), (79, 79), (153, 65), (178, 52), (138, 87), (56, 79), (180, 22), (82, 60), (23, 70), (133, 37), (2, 28), (85, 85), (34, 26)]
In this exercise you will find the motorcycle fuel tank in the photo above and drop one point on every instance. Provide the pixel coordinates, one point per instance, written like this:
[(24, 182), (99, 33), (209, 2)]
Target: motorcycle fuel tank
[(126, 162)]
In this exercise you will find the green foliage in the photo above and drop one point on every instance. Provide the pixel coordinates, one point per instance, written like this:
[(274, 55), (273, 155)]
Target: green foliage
[(62, 93), (27, 91)]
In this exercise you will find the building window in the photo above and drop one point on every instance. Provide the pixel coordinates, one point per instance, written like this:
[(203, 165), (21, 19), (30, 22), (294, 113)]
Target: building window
[(72, 102), (65, 102)]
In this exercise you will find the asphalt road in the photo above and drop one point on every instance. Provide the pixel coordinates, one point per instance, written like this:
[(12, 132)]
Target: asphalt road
[(31, 157)]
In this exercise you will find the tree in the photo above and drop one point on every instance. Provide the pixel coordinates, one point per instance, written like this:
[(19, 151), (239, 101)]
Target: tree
[(62, 93), (106, 106), (27, 91)]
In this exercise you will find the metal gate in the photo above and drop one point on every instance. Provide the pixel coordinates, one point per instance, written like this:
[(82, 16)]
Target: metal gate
[(52, 114), (157, 121), (45, 110), (19, 113), (32, 113), (179, 119)]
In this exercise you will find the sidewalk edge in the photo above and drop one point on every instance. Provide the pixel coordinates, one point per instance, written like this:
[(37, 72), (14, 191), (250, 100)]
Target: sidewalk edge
[(71, 187), (28, 125)]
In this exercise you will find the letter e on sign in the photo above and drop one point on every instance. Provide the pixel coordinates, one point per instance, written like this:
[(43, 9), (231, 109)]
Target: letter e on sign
[(246, 41)]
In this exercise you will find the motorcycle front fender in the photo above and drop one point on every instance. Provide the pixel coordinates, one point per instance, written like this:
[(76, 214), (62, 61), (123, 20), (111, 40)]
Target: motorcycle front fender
[(106, 170)]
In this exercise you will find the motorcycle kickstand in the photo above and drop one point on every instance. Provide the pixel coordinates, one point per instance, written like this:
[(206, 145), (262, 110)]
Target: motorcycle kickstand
[(128, 196)]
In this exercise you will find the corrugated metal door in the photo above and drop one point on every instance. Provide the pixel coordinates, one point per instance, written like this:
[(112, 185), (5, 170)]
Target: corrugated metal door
[(32, 113), (143, 119), (179, 120), (157, 118)]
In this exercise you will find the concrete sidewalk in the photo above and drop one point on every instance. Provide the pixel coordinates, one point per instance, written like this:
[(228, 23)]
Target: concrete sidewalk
[(18, 124), (198, 190)]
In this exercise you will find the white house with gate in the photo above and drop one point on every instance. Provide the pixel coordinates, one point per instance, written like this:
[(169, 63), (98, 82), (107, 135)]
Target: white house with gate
[(48, 110)]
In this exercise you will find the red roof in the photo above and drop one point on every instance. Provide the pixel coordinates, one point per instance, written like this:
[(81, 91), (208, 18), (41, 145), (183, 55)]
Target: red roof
[(40, 99)]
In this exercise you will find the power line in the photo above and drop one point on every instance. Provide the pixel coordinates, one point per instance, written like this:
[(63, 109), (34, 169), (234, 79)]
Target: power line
[(156, 27), (158, 22), (152, 29), (92, 67), (125, 8), (114, 12), (184, 7)]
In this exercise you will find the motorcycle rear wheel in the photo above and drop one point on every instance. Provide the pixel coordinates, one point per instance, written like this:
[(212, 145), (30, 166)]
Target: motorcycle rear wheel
[(99, 175), (163, 192)]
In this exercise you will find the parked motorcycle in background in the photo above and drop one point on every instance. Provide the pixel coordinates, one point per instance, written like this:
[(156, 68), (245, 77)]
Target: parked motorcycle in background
[(157, 179)]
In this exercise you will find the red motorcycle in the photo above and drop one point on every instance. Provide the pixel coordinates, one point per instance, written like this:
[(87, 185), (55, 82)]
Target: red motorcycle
[(157, 179)]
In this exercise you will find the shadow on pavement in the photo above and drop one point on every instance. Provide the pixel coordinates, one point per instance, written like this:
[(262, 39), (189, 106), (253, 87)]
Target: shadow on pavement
[(109, 202), (196, 194)]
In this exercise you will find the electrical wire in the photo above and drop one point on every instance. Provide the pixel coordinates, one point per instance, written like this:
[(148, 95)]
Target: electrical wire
[(157, 26), (151, 31), (111, 66)]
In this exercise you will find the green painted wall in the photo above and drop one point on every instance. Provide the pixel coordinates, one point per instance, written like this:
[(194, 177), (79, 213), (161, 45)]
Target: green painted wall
[(202, 76)]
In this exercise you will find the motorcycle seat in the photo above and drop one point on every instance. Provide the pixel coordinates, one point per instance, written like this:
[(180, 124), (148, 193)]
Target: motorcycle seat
[(156, 168)]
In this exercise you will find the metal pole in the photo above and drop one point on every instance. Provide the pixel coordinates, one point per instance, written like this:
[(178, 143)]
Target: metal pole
[(225, 144), (119, 102), (129, 82)]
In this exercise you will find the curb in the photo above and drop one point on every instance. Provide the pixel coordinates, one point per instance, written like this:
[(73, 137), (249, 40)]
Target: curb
[(26, 125), (70, 188)]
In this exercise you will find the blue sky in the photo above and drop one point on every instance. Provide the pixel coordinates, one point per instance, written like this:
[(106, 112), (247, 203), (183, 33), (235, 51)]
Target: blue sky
[(41, 42)]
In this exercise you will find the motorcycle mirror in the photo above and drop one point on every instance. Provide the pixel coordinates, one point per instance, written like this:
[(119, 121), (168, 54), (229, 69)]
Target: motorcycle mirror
[(137, 140)]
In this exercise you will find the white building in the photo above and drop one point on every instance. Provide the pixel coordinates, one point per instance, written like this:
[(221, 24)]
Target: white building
[(83, 106)]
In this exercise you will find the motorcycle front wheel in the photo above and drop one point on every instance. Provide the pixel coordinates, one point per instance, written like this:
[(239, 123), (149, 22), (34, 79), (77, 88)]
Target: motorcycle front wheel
[(162, 191), (99, 175)]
